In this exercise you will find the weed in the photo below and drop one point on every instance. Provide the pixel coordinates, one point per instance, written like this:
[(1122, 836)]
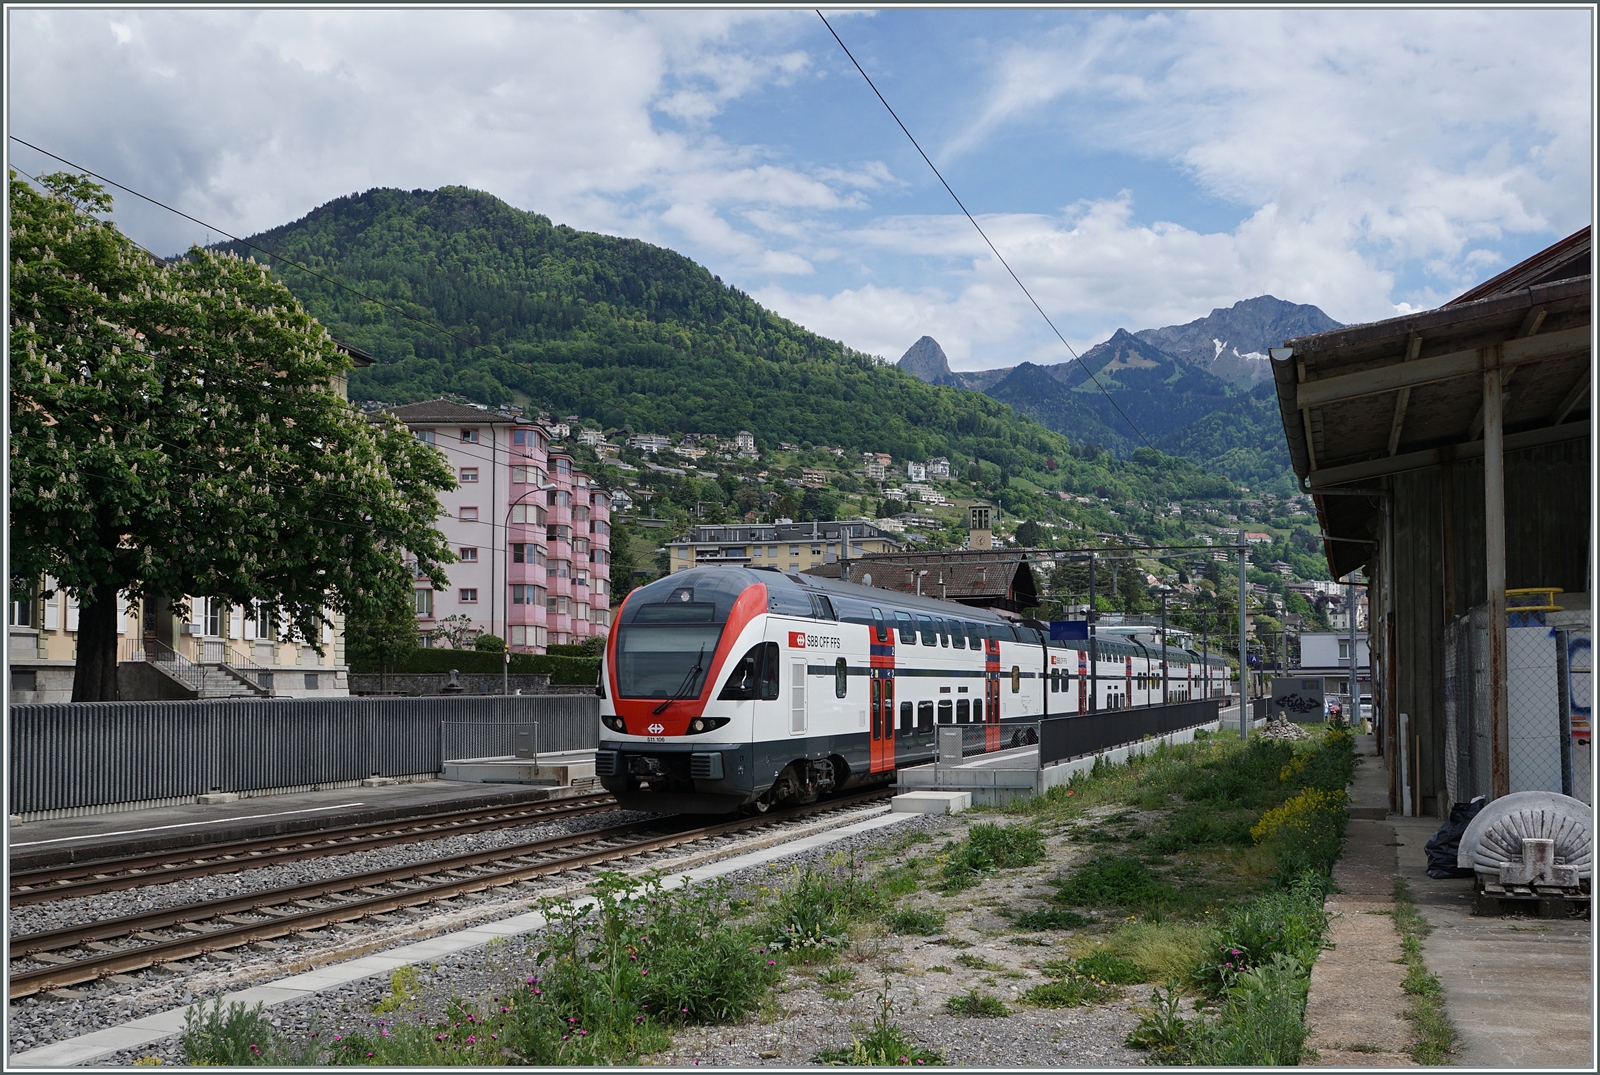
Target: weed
[(405, 991), (1162, 1028), (151, 1061), (885, 1045), (940, 968), (901, 880), (1363, 1047), (837, 975), (1262, 1022), (1283, 922), (235, 1036), (1052, 918), (926, 923), (815, 909), (1436, 1035), (976, 1005), (972, 962), (1195, 826)]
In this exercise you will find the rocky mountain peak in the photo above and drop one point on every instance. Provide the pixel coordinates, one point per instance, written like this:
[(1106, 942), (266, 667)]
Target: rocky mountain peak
[(926, 361)]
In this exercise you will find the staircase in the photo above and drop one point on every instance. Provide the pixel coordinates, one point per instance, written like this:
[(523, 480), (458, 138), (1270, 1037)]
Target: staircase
[(220, 679)]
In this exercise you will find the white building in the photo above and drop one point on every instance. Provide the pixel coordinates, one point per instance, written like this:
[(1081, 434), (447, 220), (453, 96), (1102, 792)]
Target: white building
[(938, 467), (745, 441), (591, 437), (875, 471), (649, 442), (917, 472)]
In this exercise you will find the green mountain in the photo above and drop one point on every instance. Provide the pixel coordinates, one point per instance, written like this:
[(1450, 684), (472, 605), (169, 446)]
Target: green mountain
[(637, 337)]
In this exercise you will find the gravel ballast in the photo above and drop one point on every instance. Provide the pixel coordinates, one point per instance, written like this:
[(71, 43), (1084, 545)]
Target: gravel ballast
[(805, 1014)]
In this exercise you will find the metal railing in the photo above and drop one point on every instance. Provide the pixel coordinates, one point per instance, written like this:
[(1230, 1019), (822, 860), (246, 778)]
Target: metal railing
[(164, 657), (1064, 738)]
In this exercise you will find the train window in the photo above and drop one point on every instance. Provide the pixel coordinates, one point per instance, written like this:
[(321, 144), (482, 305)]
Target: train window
[(958, 634), (822, 608), (977, 711), (944, 632), (905, 717), (975, 635), (1055, 681), (879, 626), (963, 711), (944, 711), (755, 676), (1016, 678), (924, 716), (841, 678), (925, 627), (908, 630), (877, 709)]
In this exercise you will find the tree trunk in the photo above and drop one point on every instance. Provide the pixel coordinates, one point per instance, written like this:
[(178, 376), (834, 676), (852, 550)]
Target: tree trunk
[(95, 678)]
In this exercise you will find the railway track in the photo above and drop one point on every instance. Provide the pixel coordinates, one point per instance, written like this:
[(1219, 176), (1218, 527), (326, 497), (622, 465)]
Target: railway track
[(78, 954), (136, 871)]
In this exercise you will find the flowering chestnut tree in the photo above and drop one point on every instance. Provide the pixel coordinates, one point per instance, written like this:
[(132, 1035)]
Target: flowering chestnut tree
[(176, 428)]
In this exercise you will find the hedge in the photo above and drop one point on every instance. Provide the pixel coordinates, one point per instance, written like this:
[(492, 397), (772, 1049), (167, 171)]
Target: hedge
[(565, 671)]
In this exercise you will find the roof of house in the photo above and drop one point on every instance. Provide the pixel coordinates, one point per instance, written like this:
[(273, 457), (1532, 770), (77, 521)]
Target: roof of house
[(449, 411), (1365, 401), (988, 581)]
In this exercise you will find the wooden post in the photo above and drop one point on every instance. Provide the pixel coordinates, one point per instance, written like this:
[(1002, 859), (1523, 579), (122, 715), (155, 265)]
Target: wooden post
[(1494, 547)]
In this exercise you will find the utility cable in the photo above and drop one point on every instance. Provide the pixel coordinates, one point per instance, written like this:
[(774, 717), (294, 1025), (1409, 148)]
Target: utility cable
[(973, 221)]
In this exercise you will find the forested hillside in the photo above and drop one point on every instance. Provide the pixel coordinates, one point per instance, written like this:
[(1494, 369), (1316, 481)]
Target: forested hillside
[(637, 337)]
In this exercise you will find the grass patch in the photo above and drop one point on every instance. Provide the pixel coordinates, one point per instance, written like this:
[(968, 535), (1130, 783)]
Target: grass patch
[(1052, 918), (816, 907), (837, 975), (976, 1005), (972, 962), (902, 880), (1115, 881), (1161, 950), (989, 847), (1109, 968), (925, 923), (940, 968), (1075, 991), (1436, 1035)]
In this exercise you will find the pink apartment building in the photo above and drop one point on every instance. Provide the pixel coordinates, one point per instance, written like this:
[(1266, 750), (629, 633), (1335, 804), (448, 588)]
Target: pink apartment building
[(532, 531)]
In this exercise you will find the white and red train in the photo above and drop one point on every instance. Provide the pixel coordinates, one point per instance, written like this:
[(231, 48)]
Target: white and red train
[(725, 688)]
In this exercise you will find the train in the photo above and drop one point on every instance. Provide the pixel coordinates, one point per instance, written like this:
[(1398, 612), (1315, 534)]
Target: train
[(729, 689)]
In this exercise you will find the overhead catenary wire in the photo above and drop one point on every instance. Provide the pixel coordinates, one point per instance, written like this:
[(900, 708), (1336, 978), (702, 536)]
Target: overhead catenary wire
[(973, 221)]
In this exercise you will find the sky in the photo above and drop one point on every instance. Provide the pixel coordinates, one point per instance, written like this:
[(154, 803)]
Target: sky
[(1135, 168)]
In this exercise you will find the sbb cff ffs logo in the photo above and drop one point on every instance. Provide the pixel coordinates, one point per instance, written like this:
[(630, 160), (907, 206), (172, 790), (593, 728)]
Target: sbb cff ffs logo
[(656, 729), (797, 640)]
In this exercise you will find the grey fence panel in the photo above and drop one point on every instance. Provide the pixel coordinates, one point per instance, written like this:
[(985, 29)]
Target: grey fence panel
[(65, 756), (1062, 738)]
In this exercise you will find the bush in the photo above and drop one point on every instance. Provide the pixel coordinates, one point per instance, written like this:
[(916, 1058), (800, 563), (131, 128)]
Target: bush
[(926, 923), (489, 644), (886, 1045), (976, 1005), (235, 1036), (564, 671)]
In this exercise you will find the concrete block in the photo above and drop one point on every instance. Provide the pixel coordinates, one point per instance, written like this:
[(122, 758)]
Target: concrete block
[(378, 781), (931, 802), (217, 798)]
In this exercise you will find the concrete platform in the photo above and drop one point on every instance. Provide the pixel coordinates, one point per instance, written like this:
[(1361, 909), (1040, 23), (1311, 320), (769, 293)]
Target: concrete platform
[(931, 802), (565, 769), (36, 844)]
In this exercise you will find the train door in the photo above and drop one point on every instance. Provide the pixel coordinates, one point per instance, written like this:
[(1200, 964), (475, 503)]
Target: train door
[(1083, 682), (991, 689), (1128, 665), (881, 650), (889, 736), (876, 749), (797, 697)]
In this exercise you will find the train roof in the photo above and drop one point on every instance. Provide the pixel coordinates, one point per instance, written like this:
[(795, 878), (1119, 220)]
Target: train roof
[(777, 579)]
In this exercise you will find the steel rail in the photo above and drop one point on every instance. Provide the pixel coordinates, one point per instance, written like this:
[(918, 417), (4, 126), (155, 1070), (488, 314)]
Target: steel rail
[(236, 933), (136, 871)]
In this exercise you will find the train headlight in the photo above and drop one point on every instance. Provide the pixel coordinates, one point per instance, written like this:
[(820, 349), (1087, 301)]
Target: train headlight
[(697, 725), (705, 724)]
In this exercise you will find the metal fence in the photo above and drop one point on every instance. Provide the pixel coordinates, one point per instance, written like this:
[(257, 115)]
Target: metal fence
[(1549, 682), (71, 756), (1064, 738)]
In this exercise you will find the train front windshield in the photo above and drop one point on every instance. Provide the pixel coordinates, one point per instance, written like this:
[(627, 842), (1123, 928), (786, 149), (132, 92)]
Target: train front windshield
[(666, 650)]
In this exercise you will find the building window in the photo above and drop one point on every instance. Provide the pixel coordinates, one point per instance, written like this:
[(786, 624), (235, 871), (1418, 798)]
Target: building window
[(469, 436), (469, 515), (424, 605), (469, 595), (683, 554), (563, 466), (469, 556), (519, 594), (22, 608), (519, 553), (311, 681), (425, 436), (527, 475), (794, 550), (265, 628), (216, 616), (469, 475)]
